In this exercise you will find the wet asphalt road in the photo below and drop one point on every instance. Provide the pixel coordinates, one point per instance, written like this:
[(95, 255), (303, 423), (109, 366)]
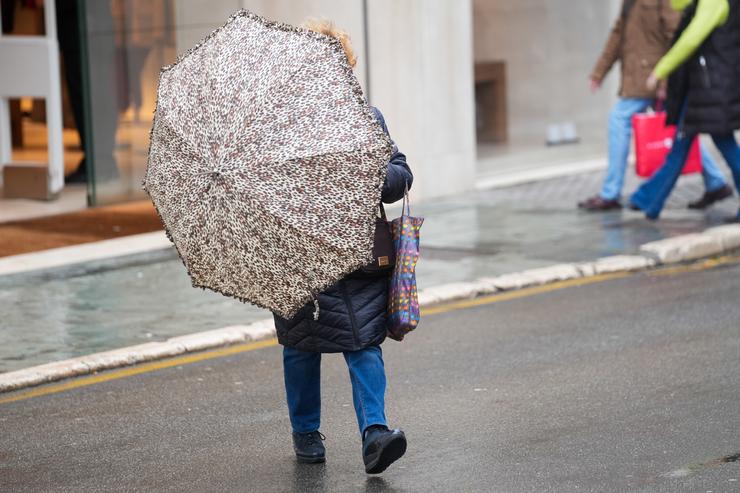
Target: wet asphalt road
[(624, 385)]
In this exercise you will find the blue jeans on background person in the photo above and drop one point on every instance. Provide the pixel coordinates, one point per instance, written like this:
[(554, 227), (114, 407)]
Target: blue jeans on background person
[(652, 194), (620, 136), (302, 371)]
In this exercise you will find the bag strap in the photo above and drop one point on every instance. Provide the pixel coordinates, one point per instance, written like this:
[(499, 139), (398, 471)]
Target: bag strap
[(406, 207)]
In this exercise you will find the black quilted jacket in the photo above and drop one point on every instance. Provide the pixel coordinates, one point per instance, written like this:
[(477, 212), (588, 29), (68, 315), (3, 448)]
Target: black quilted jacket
[(352, 312), (708, 83)]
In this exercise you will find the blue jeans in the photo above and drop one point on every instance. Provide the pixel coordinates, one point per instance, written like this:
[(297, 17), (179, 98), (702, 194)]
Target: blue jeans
[(652, 194), (303, 387), (620, 135)]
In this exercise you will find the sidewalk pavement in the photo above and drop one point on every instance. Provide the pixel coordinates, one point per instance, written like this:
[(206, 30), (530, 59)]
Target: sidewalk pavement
[(74, 228), (537, 224), (86, 308)]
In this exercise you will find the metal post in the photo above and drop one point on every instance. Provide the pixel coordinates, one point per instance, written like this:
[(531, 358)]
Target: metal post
[(89, 149), (5, 137), (54, 125), (366, 38)]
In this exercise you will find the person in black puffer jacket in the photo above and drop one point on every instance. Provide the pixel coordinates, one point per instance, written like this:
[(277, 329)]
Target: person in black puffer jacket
[(703, 94), (351, 320)]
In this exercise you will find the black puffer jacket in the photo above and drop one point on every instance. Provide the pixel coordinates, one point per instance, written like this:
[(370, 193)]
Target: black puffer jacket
[(352, 313), (709, 81)]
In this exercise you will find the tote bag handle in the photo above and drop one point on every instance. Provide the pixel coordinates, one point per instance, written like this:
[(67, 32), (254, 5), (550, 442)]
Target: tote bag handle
[(406, 207)]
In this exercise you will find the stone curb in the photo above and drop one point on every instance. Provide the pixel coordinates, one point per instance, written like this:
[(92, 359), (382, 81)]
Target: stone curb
[(711, 242), (84, 365), (55, 258), (694, 246), (685, 248)]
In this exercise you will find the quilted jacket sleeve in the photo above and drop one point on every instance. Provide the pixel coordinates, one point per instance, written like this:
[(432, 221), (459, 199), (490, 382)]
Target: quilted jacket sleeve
[(399, 174)]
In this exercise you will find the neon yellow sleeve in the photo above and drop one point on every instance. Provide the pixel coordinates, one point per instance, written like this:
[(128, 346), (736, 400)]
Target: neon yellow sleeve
[(710, 14)]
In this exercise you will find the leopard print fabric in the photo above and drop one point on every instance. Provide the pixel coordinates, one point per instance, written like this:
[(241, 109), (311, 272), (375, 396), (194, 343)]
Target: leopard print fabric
[(266, 163)]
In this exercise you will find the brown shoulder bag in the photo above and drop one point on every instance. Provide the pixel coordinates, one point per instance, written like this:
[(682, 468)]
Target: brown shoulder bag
[(384, 252)]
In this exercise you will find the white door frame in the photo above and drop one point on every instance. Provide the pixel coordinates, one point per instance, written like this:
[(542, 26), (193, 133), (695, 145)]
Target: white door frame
[(30, 68)]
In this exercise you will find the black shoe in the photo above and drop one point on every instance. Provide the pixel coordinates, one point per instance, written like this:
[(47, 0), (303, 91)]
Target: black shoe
[(381, 448), (308, 447), (710, 198), (598, 204)]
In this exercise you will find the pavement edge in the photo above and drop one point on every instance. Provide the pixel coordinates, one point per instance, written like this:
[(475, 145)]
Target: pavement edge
[(712, 242)]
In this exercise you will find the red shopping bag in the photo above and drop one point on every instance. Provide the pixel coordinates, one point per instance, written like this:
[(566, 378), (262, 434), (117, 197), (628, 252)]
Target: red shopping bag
[(653, 141)]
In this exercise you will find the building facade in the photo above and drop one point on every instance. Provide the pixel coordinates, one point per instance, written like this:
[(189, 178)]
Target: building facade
[(466, 86)]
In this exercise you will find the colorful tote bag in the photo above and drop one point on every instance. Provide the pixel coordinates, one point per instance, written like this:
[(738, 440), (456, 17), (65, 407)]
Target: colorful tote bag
[(403, 302)]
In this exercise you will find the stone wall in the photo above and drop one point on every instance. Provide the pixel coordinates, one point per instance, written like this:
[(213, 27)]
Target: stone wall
[(420, 72), (421, 77), (549, 47)]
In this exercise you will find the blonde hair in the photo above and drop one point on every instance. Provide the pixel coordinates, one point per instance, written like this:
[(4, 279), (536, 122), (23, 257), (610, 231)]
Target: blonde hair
[(325, 26)]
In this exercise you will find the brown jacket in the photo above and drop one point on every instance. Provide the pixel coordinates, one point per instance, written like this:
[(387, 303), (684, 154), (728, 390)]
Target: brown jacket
[(638, 42)]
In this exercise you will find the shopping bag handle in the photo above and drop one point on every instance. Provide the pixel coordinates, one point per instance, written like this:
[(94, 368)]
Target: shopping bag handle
[(406, 207), (659, 105)]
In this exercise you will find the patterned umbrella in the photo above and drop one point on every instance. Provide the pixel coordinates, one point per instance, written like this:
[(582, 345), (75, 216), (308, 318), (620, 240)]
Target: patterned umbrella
[(266, 163)]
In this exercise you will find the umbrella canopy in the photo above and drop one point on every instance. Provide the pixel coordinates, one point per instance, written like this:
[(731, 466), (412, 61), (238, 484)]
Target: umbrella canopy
[(266, 163)]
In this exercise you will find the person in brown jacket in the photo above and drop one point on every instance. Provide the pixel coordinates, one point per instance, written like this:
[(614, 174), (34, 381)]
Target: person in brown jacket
[(640, 37)]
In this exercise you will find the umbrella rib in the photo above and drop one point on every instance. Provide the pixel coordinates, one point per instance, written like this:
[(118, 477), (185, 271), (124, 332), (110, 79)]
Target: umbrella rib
[(191, 148), (208, 86)]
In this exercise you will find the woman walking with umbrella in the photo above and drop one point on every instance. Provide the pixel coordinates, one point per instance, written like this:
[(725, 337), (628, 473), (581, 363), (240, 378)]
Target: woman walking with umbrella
[(350, 317), (268, 167)]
